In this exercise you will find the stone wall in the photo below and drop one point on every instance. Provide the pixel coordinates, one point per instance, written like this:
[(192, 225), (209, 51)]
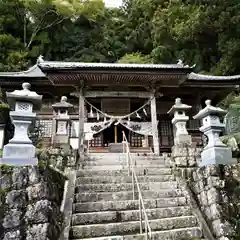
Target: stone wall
[(30, 201), (216, 189), (59, 159)]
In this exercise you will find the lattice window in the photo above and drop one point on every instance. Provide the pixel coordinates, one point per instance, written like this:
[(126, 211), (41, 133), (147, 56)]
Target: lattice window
[(24, 107), (193, 124), (136, 139), (165, 133), (165, 128), (97, 141), (46, 126), (197, 138)]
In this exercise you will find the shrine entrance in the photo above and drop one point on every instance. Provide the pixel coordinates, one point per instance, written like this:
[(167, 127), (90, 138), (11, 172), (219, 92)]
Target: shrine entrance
[(113, 134)]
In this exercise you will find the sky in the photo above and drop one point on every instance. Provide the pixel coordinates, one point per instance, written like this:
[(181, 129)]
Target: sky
[(113, 3)]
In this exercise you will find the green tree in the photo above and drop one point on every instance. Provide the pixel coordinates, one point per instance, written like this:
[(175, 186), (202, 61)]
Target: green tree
[(135, 58), (45, 14), (27, 27)]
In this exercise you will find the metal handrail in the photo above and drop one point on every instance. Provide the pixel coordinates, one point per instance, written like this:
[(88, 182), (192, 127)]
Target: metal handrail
[(131, 171)]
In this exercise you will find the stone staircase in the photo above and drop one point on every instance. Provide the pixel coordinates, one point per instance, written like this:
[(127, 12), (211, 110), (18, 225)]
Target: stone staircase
[(104, 208)]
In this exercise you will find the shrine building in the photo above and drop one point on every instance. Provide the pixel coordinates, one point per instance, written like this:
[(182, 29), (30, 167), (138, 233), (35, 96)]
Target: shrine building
[(112, 98)]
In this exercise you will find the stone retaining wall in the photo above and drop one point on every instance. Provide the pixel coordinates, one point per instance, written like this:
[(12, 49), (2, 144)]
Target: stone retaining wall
[(216, 189), (209, 185), (30, 201)]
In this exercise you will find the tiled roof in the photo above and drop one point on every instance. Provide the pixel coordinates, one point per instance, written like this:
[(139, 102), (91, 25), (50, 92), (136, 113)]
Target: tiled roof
[(69, 65), (195, 76), (33, 71)]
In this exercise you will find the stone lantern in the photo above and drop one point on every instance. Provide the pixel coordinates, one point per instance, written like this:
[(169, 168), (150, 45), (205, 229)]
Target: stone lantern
[(179, 121), (61, 121), (20, 150), (215, 152)]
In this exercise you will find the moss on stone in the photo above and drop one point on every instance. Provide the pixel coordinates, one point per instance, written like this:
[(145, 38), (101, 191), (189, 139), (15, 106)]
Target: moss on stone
[(6, 169)]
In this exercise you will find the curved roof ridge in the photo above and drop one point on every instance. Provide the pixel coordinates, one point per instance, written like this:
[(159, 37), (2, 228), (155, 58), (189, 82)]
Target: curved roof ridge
[(56, 64), (33, 71), (198, 76)]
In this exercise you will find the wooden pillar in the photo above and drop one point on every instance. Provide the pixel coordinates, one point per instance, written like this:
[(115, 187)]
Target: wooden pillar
[(115, 134), (154, 126), (81, 124)]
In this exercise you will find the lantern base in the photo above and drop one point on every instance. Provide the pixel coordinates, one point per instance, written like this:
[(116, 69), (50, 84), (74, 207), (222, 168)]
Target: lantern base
[(217, 156), (61, 139), (19, 154), (19, 161), (183, 139)]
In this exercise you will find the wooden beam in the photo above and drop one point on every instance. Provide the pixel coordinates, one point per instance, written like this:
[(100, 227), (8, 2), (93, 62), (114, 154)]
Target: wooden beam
[(94, 94)]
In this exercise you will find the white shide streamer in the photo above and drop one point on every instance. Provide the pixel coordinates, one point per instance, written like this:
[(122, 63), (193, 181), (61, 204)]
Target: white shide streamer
[(145, 128)]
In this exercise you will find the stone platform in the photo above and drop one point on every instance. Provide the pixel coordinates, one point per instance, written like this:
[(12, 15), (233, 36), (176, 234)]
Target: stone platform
[(115, 147)]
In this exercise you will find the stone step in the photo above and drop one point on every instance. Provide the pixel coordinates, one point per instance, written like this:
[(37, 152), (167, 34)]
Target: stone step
[(108, 154), (125, 195), (175, 234), (123, 179), (99, 230), (128, 204), (130, 215), (140, 162), (120, 167), (140, 172), (123, 157), (110, 187)]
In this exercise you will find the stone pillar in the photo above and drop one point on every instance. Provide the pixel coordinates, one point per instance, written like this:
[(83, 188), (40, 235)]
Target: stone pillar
[(154, 126), (20, 150), (182, 152), (81, 123), (61, 121), (215, 152)]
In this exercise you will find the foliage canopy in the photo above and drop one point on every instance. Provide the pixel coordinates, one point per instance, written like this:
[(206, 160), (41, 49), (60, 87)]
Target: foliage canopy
[(203, 32)]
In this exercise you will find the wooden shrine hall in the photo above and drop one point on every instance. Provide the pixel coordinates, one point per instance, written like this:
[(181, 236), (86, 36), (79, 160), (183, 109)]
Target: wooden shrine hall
[(110, 98)]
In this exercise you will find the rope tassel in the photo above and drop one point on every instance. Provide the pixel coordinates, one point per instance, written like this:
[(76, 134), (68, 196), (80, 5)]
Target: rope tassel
[(138, 116), (91, 112), (144, 111)]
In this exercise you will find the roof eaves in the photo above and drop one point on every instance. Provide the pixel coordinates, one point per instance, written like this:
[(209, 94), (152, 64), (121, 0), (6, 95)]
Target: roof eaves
[(202, 77), (69, 65), (33, 71)]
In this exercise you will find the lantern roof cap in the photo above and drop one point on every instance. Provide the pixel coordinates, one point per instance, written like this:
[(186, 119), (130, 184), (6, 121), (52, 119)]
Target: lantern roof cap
[(63, 103), (210, 110), (179, 106), (24, 95)]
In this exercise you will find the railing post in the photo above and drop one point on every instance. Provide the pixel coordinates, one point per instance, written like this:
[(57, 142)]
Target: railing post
[(128, 162), (140, 215), (146, 229), (133, 185), (142, 210)]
